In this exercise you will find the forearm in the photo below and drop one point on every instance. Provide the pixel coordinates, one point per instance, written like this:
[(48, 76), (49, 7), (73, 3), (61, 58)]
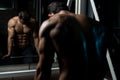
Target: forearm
[(36, 44), (38, 73), (10, 41), (43, 69), (39, 70)]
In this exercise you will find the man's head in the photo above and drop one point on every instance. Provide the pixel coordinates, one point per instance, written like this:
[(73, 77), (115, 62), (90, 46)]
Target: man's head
[(24, 16), (56, 6)]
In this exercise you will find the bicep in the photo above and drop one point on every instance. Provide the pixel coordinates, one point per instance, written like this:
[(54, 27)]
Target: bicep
[(46, 50), (42, 45), (46, 54), (45, 43), (45, 46), (11, 29), (10, 32)]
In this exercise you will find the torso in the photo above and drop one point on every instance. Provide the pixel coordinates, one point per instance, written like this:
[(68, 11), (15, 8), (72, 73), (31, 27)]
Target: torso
[(23, 34), (68, 28), (73, 40)]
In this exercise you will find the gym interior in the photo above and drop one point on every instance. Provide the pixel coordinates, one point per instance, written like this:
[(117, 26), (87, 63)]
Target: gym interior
[(106, 11)]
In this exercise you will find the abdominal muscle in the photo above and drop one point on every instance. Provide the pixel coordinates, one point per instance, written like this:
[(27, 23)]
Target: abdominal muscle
[(22, 40)]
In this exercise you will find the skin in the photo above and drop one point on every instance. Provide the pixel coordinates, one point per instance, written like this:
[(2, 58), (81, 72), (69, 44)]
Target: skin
[(20, 33), (61, 33)]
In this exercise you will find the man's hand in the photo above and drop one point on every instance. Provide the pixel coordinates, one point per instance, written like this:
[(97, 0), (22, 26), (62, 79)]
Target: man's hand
[(6, 56)]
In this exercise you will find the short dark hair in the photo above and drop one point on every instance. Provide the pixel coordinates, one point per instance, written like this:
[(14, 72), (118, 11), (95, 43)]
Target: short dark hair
[(24, 15), (56, 6)]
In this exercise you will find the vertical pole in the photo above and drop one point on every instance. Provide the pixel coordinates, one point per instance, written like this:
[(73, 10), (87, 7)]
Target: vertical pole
[(69, 3), (111, 66), (76, 6), (38, 10), (94, 10), (79, 6)]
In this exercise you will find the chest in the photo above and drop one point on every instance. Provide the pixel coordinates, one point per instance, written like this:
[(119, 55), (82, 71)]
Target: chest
[(21, 28)]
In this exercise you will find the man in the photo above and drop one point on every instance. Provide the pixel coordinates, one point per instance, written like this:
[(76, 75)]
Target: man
[(22, 30), (79, 42)]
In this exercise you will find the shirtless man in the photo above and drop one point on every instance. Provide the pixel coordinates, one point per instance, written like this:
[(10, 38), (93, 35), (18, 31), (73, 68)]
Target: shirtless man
[(79, 42), (21, 30)]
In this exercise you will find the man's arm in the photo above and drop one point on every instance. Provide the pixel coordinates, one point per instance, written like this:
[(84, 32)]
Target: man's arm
[(11, 24), (46, 55), (35, 35), (40, 69)]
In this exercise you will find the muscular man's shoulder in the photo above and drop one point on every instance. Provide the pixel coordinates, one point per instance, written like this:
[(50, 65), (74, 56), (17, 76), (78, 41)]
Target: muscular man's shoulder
[(14, 18), (12, 21), (44, 25)]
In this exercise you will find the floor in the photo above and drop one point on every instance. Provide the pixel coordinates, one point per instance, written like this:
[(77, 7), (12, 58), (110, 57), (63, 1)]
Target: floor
[(27, 71)]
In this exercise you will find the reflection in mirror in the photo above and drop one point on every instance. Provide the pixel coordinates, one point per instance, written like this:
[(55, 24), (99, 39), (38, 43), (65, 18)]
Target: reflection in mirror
[(18, 31)]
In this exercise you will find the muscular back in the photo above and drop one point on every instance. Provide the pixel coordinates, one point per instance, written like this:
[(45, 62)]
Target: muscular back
[(22, 33), (80, 43), (68, 33)]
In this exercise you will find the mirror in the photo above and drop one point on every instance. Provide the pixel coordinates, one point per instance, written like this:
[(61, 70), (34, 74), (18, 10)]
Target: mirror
[(15, 65), (6, 15)]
